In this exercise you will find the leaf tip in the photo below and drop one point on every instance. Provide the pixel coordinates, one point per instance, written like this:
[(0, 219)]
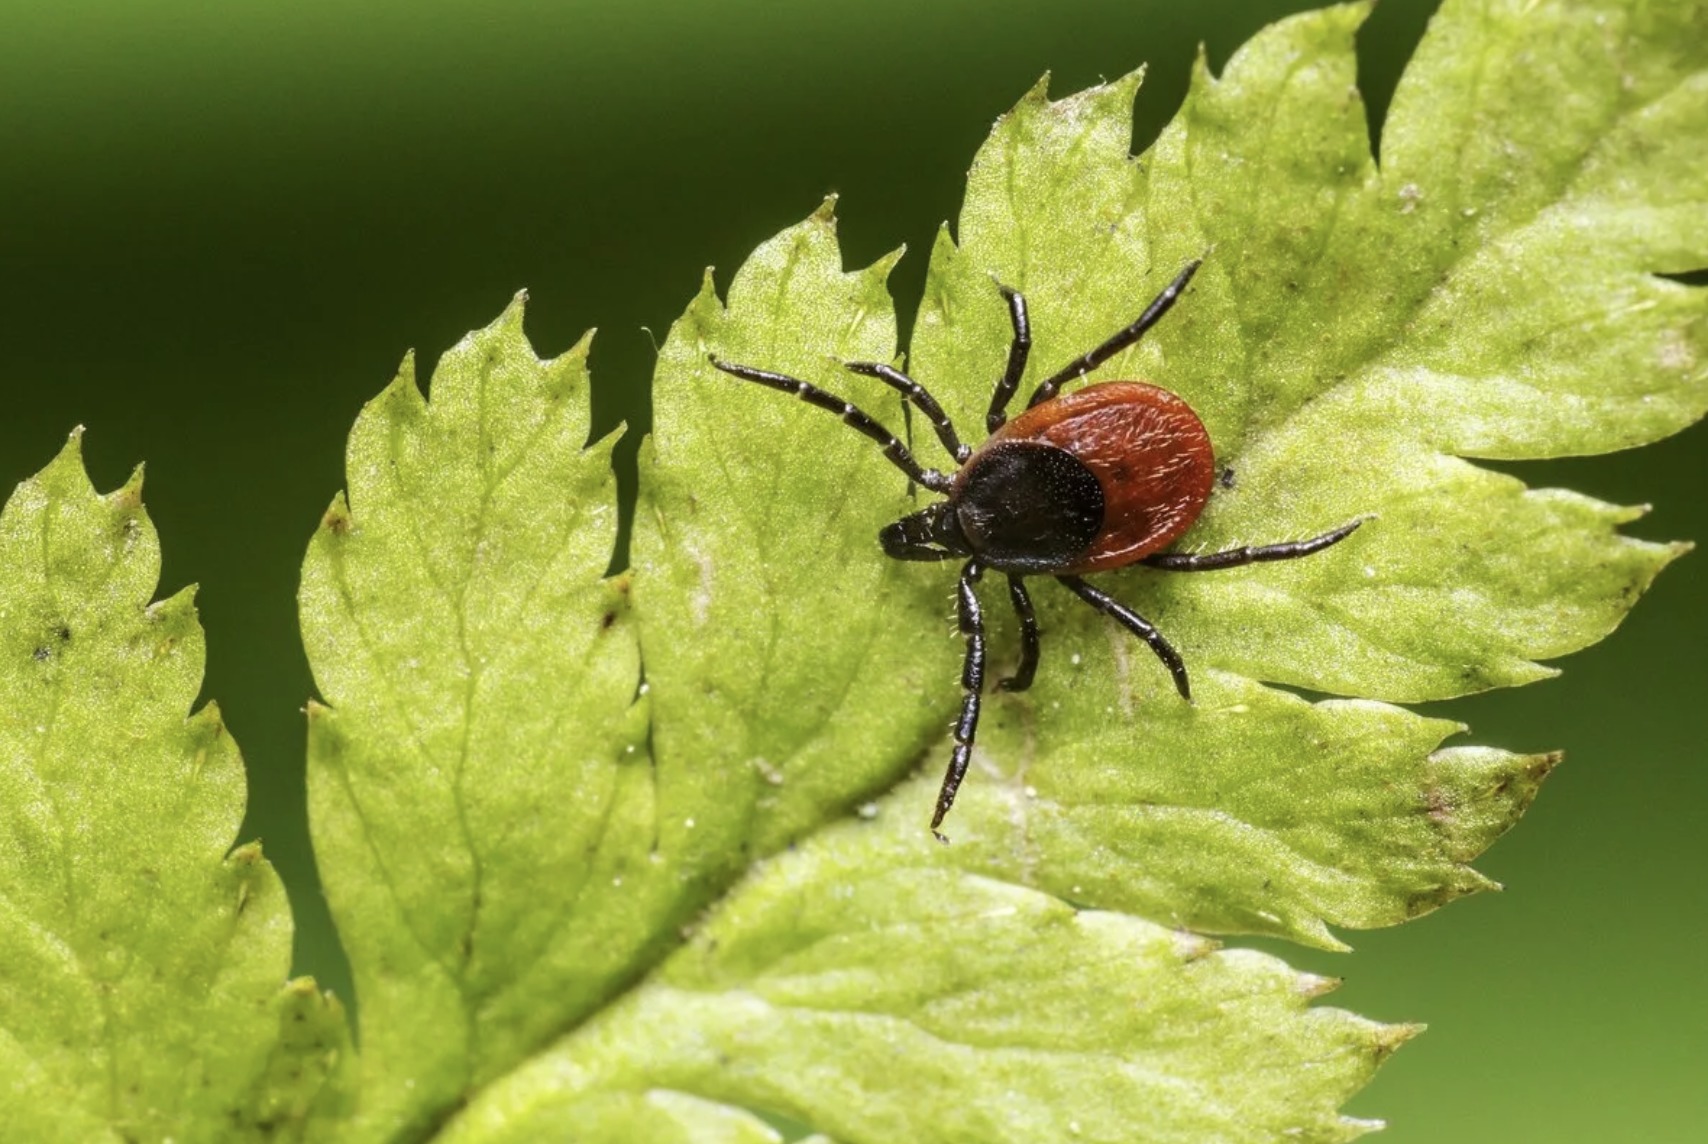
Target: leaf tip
[(1201, 76), (1358, 11), (403, 388), (510, 321), (1314, 985), (174, 612), (1539, 767), (1313, 931), (1389, 1039), (67, 465), (825, 214), (74, 441), (1357, 1126), (706, 301), (1188, 946), (302, 988), (325, 740), (1131, 82), (405, 368), (881, 267), (336, 520), (582, 347), (209, 720), (247, 854), (128, 496)]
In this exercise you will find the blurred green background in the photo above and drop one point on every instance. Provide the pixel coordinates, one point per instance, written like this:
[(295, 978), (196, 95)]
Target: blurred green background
[(222, 225)]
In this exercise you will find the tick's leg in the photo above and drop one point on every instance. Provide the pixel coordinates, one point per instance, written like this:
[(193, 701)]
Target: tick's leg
[(1087, 362), (912, 391), (907, 433), (1022, 677), (1234, 557), (1018, 350), (851, 416), (972, 683), (904, 550), (1136, 624)]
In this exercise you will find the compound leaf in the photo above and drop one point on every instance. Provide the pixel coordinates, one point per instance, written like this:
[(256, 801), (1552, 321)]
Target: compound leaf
[(660, 871)]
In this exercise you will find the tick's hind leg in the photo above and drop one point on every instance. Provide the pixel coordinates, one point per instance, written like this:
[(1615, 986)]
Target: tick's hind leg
[(972, 684), (1234, 557), (1022, 677), (1086, 362), (1136, 624)]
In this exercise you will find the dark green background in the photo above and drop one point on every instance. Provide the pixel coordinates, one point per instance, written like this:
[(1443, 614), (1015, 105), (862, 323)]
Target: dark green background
[(221, 226)]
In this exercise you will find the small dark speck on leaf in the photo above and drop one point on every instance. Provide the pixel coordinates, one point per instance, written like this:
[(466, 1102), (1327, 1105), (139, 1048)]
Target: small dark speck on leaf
[(1227, 477), (607, 620), (41, 654), (1437, 807)]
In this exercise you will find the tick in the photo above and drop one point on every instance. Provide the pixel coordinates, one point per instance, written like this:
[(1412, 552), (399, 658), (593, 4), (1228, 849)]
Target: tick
[(1083, 482)]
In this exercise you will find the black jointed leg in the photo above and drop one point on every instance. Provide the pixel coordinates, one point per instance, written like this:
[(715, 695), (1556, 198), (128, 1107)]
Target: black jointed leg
[(907, 439), (1018, 351), (1089, 361), (972, 684), (1234, 557), (1136, 624), (1022, 677), (912, 391), (851, 416)]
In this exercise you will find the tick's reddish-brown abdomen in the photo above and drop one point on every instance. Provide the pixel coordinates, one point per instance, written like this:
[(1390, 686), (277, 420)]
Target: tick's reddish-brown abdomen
[(1149, 452)]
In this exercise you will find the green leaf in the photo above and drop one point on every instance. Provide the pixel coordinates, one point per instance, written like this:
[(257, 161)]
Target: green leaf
[(141, 957), (660, 870), (867, 988), (476, 793)]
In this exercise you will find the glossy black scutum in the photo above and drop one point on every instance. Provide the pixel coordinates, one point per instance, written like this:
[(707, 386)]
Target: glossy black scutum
[(1028, 507)]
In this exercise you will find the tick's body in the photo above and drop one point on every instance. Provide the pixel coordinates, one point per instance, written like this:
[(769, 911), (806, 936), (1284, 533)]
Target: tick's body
[(1094, 480)]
